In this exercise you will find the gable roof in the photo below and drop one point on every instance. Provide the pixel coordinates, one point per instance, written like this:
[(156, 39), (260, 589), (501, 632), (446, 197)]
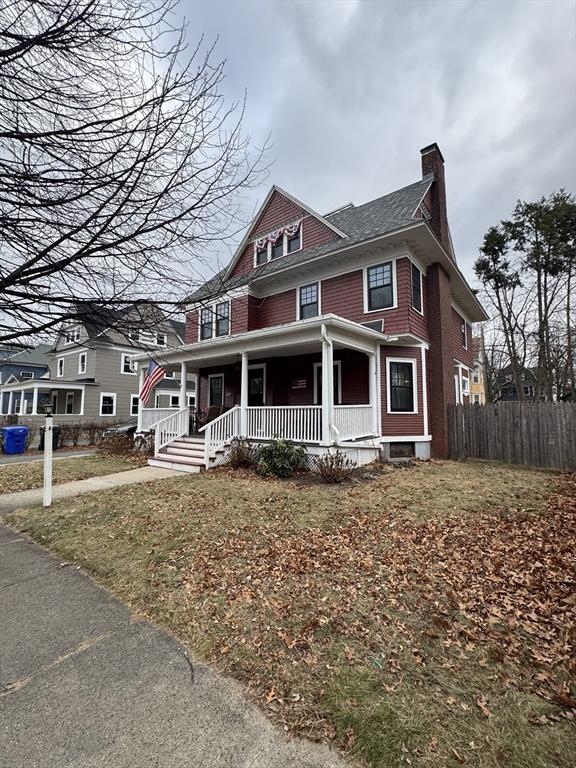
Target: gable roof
[(377, 217), (37, 356), (253, 225)]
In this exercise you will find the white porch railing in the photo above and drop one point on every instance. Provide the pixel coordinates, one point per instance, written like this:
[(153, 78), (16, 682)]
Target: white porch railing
[(170, 428), (220, 431), (151, 416), (353, 421), (300, 423)]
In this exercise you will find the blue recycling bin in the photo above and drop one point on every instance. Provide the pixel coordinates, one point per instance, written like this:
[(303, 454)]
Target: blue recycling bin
[(14, 439)]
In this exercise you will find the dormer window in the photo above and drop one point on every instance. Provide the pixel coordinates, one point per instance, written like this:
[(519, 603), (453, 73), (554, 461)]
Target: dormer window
[(72, 335), (279, 243)]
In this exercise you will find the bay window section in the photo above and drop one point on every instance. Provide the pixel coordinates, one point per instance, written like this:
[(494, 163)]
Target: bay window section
[(308, 301), (379, 288), (401, 386)]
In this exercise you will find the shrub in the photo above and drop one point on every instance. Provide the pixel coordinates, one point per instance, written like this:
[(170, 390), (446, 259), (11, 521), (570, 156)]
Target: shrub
[(333, 467), (93, 431), (117, 445), (280, 458), (144, 443), (241, 454)]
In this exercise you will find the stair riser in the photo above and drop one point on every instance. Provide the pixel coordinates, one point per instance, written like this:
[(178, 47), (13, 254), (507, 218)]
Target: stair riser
[(183, 452), (178, 467)]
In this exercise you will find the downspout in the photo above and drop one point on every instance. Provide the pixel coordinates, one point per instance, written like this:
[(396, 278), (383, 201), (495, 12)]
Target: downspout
[(333, 428)]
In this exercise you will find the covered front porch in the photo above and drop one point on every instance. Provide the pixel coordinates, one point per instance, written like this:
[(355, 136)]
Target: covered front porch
[(29, 398), (316, 382)]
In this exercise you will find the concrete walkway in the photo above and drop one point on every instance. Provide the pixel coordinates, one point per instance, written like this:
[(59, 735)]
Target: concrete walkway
[(26, 458), (85, 685), (33, 497)]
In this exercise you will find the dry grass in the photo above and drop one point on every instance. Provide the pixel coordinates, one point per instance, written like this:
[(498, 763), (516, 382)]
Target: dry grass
[(21, 477), (404, 616)]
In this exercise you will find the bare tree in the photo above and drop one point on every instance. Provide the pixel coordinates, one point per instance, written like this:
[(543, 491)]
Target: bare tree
[(120, 162)]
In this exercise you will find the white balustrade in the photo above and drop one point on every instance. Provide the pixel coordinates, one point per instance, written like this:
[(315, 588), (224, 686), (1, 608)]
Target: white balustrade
[(353, 421), (151, 416), (299, 423), (220, 431), (170, 428)]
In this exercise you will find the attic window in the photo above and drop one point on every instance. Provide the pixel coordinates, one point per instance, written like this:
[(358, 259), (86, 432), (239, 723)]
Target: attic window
[(72, 335), (279, 243)]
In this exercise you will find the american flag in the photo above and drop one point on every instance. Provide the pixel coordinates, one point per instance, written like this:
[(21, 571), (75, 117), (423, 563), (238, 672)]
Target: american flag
[(154, 374)]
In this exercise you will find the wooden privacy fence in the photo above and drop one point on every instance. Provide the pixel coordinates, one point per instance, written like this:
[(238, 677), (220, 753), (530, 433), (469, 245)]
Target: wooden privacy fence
[(535, 434)]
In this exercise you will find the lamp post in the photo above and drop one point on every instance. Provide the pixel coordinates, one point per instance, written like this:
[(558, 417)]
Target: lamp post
[(48, 432)]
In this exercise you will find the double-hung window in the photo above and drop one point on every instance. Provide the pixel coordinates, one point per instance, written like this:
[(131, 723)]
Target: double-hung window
[(127, 364), (82, 362), (288, 240), (464, 333), (402, 386), (206, 323), (416, 288), (60, 367), (308, 301), (262, 255), (223, 318), (379, 287), (277, 248), (293, 243)]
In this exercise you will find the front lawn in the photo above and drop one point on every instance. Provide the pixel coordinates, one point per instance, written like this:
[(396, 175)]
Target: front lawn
[(22, 477), (419, 616)]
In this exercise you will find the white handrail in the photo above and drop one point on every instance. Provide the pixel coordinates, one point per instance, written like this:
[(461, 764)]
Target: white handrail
[(151, 416), (299, 423), (353, 421), (171, 428), (219, 431)]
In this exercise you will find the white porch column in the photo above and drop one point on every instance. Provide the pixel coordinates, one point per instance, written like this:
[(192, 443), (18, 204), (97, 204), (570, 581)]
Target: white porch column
[(10, 402), (141, 374), (82, 399), (183, 385), (373, 390), (244, 396), (424, 389), (22, 403), (35, 402), (327, 387)]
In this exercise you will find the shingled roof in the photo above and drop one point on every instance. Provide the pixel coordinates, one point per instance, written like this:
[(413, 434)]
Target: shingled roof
[(358, 223)]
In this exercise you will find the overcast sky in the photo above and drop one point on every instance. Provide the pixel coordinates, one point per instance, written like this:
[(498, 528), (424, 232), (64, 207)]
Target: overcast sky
[(350, 90)]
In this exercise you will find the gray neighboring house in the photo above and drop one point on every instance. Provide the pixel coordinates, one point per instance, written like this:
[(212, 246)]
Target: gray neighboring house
[(91, 375), (19, 366)]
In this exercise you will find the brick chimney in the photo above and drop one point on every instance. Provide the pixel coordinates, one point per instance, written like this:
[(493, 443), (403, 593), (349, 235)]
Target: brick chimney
[(433, 164)]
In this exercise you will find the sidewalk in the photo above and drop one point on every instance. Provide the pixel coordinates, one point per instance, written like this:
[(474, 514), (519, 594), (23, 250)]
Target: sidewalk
[(23, 458), (33, 497), (84, 683)]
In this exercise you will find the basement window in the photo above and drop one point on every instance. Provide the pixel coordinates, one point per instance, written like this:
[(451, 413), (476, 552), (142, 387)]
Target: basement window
[(402, 450)]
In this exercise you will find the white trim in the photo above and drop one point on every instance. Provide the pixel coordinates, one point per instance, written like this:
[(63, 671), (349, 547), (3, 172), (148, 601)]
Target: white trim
[(113, 396), (422, 274), (285, 251), (394, 286), (68, 394), (59, 373), (263, 366), (132, 404), (211, 307), (405, 438), (248, 236), (318, 284), (76, 329), (133, 371), (424, 388), (413, 361), (80, 356), (316, 366), (214, 376)]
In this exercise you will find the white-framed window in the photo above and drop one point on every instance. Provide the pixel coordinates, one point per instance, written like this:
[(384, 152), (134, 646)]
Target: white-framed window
[(170, 375), (379, 287), (107, 403), (82, 362), (308, 301), (214, 320), (134, 403), (174, 401), (216, 389), (69, 402), (60, 367), (476, 399), (417, 298), (337, 383), (72, 335), (465, 382), (26, 375), (127, 365), (463, 333), (476, 377), (155, 338), (191, 401), (280, 243), (401, 385)]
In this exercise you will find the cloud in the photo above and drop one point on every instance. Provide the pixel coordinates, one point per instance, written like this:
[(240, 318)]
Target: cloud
[(350, 91)]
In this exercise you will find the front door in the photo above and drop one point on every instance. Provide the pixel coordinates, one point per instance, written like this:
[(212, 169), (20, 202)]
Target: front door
[(256, 377)]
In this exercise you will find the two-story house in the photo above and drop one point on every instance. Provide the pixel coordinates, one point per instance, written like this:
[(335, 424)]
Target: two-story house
[(19, 366), (91, 373), (351, 328)]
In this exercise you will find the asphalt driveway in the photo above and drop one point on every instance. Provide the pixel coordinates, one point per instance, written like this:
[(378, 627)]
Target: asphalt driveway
[(83, 683)]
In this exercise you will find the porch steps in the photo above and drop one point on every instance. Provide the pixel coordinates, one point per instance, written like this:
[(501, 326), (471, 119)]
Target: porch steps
[(186, 454)]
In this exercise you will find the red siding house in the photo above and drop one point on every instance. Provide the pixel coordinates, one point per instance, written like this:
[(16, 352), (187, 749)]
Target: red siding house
[(351, 329)]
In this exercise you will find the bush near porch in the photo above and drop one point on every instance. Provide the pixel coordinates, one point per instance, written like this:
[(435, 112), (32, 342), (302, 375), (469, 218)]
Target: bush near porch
[(421, 616)]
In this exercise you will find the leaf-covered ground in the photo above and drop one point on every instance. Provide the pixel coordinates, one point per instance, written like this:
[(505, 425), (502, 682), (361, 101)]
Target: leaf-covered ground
[(421, 616), (21, 477)]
